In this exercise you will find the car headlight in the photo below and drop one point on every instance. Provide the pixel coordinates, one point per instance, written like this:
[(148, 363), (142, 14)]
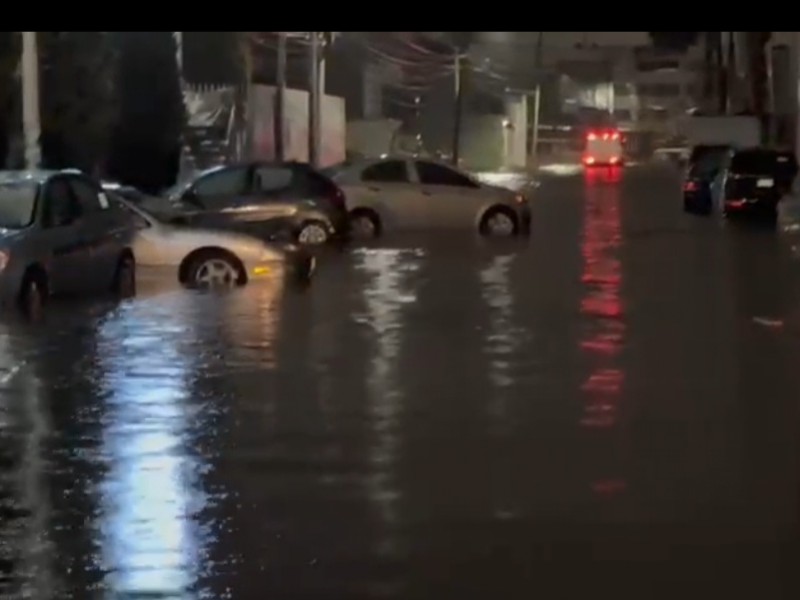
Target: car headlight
[(4, 258)]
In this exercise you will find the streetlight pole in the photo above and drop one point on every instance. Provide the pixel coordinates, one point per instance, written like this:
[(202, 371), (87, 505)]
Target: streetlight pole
[(462, 43), (537, 99), (280, 98), (313, 99), (30, 100), (458, 92)]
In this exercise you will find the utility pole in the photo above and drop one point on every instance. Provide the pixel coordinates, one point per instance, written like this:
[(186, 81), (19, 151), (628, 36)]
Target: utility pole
[(462, 42), (458, 93), (313, 99), (182, 157), (537, 99), (280, 98), (30, 100), (708, 69), (731, 72), (722, 79)]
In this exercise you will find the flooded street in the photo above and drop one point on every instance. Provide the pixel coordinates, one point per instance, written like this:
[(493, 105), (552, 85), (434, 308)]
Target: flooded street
[(592, 412)]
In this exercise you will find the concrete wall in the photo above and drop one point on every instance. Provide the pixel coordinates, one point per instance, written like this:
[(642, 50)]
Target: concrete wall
[(517, 135), (371, 137), (262, 106)]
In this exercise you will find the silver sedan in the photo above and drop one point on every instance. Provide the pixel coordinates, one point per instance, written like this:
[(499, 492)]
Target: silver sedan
[(208, 258), (402, 193)]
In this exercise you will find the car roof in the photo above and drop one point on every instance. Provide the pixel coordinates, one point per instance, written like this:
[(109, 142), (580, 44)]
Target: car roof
[(36, 175), (762, 150), (254, 163)]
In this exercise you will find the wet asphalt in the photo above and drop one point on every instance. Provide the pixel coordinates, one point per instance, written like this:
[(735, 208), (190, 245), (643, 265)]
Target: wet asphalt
[(608, 410)]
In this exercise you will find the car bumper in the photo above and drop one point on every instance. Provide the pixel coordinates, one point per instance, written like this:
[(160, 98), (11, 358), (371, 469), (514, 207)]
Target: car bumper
[(698, 200), (751, 206)]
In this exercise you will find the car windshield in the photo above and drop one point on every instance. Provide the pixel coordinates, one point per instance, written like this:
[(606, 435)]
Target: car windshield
[(178, 189), (334, 171), (757, 163), (17, 203), (130, 207)]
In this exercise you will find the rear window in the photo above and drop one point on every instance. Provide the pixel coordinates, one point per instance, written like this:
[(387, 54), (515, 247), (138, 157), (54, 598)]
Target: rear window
[(707, 160), (698, 152), (755, 162)]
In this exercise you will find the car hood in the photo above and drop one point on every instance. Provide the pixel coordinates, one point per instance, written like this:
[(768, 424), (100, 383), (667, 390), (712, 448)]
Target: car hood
[(245, 246)]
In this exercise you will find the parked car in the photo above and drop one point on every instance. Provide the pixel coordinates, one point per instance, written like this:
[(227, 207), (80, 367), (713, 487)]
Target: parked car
[(268, 200), (59, 237), (754, 180), (208, 258), (407, 193), (704, 164)]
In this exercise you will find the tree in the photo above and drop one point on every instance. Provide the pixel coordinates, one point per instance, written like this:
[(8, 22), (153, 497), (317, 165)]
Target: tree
[(77, 98), (9, 85), (151, 116)]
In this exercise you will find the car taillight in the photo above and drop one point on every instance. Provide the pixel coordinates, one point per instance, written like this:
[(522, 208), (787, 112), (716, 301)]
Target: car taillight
[(589, 160), (690, 186), (614, 160)]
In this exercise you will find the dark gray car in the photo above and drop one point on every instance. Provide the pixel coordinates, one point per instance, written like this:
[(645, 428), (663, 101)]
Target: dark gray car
[(57, 237), (267, 200)]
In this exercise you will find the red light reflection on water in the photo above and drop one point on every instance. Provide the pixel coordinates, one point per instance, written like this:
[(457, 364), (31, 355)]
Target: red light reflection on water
[(603, 312)]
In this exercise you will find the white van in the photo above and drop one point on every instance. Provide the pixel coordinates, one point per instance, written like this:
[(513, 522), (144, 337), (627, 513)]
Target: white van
[(603, 148)]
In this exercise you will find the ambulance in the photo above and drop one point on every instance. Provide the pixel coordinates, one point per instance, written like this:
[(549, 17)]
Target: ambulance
[(603, 148)]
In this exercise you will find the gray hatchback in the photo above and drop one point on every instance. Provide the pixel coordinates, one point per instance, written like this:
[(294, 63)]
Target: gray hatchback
[(57, 237)]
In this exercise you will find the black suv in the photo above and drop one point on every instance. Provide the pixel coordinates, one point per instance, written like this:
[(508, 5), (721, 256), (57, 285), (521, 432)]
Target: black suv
[(756, 179)]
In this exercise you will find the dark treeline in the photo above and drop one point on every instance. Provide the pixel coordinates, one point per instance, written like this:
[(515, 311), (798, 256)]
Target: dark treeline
[(110, 104)]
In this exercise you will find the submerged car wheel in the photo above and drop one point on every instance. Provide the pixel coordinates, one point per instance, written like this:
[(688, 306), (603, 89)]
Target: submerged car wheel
[(125, 278), (31, 297), (313, 233), (365, 224), (499, 222), (214, 270)]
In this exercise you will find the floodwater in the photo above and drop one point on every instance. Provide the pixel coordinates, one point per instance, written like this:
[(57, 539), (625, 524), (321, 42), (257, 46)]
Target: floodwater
[(590, 413)]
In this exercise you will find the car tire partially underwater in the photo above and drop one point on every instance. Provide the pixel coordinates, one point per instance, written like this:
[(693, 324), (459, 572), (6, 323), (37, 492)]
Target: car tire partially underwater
[(313, 233), (499, 221), (365, 224), (32, 295), (125, 278), (214, 269)]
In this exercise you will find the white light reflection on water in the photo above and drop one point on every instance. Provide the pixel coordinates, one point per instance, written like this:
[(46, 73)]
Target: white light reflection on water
[(386, 296), (29, 483), (149, 540), (503, 338)]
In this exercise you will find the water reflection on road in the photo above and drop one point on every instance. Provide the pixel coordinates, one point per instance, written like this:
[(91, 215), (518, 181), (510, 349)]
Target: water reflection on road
[(590, 412)]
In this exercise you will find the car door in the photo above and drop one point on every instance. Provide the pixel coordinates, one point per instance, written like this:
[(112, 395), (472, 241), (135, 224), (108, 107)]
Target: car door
[(209, 200), (387, 188), (61, 237), (452, 198), (103, 232), (269, 209)]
